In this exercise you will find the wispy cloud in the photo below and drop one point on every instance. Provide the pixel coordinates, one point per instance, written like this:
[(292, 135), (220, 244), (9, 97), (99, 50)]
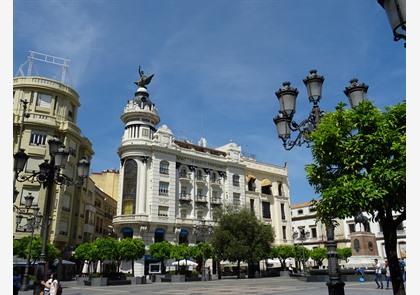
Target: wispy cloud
[(59, 28)]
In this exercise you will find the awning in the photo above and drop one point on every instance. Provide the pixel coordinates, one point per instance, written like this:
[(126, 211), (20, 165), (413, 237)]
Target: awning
[(249, 177), (183, 232), (265, 182)]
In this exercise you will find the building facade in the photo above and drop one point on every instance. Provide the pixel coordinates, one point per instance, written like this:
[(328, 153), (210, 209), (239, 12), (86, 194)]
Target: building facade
[(304, 216), (168, 186), (52, 109)]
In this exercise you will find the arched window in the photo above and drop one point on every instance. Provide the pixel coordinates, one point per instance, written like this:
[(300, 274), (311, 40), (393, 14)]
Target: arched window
[(235, 180), (129, 187), (266, 186), (164, 167), (159, 235), (127, 232), (183, 236)]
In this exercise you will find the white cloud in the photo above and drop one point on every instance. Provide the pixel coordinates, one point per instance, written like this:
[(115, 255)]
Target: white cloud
[(59, 28)]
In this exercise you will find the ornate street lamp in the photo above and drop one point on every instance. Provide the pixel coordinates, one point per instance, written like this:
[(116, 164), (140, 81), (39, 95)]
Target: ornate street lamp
[(287, 96), (49, 174), (302, 236), (395, 10), (356, 93), (20, 157), (203, 230), (33, 218)]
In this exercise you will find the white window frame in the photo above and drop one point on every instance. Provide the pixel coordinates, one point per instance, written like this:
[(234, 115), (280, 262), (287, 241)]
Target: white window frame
[(163, 188)]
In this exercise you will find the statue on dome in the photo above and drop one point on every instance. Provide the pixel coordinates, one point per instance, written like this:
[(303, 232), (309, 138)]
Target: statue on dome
[(144, 80)]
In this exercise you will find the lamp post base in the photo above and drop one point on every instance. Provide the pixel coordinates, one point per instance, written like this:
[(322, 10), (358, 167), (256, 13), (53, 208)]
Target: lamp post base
[(335, 288)]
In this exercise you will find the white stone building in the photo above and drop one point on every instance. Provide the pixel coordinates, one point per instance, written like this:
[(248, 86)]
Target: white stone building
[(168, 186), (304, 216)]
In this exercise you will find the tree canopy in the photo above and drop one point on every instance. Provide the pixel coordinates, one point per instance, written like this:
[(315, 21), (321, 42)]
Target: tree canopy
[(283, 252), (21, 249), (240, 236), (344, 253), (318, 255), (359, 164), (359, 161), (160, 250)]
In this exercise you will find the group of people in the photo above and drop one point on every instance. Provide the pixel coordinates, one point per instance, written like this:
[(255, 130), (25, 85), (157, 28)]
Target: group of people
[(378, 273), (50, 287)]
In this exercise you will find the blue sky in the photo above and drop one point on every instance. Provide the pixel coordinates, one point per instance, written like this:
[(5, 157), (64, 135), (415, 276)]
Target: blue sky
[(217, 65)]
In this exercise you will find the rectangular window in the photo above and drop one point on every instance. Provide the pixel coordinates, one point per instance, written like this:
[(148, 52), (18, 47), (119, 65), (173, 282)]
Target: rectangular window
[(284, 233), (43, 100), (163, 211), (200, 215), (300, 211), (163, 188), (313, 232), (37, 138), (312, 209), (26, 191), (236, 199), (33, 164), (183, 214), (351, 228), (63, 228), (235, 180), (266, 210), (145, 132), (280, 188), (251, 205), (283, 215), (200, 192), (65, 202)]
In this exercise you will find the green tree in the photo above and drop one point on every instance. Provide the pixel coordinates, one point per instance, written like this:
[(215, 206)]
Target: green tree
[(180, 252), (344, 253), (130, 249), (240, 236), (21, 249), (302, 254), (318, 255), (161, 250), (283, 252), (107, 249), (202, 252), (359, 158)]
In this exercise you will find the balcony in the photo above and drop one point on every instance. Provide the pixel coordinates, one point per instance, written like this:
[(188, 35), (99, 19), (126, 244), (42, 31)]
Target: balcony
[(184, 197), (216, 201), (216, 182), (200, 179), (185, 176), (200, 199)]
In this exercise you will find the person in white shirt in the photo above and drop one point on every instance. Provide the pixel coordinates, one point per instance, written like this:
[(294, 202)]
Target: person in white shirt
[(378, 274)]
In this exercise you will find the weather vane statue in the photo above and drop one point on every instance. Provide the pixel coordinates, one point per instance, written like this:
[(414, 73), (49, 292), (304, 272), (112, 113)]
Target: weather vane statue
[(144, 80)]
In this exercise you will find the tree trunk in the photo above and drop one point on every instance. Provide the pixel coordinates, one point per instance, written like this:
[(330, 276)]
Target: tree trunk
[(390, 238), (219, 270), (239, 269), (132, 266)]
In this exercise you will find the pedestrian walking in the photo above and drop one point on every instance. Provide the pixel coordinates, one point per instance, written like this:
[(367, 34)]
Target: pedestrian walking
[(52, 287), (402, 268), (378, 274), (387, 274)]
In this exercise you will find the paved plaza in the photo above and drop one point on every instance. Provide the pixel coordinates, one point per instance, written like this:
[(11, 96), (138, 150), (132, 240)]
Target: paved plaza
[(278, 285)]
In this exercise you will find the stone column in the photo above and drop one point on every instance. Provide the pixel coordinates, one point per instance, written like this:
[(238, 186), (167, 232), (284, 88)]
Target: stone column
[(143, 184)]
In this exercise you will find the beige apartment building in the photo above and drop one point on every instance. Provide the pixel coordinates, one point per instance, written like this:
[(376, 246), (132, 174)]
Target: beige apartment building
[(52, 109)]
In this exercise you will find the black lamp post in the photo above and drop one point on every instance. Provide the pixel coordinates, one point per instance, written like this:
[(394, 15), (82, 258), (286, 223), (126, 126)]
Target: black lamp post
[(33, 218), (395, 10), (203, 230), (302, 235), (19, 156), (356, 93), (48, 175)]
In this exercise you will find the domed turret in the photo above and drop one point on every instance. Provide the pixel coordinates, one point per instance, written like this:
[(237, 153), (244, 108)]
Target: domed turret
[(140, 114)]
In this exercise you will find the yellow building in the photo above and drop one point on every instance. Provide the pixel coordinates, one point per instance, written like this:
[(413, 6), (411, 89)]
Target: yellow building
[(52, 109), (108, 181)]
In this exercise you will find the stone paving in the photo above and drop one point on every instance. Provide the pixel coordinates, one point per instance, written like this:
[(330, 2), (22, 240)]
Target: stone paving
[(276, 285)]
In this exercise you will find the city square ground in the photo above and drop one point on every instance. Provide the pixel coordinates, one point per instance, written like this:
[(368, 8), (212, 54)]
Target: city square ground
[(277, 285)]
